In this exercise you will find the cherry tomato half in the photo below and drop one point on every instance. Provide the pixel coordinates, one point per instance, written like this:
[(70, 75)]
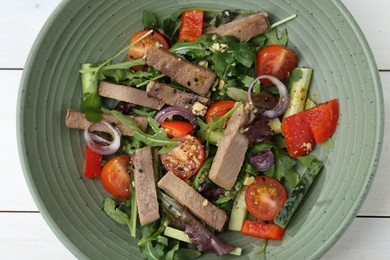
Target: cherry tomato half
[(177, 128), (265, 197), (115, 176), (138, 51), (277, 61), (219, 109), (186, 159)]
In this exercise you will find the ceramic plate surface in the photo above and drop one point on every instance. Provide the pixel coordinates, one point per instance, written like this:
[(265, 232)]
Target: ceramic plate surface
[(325, 37)]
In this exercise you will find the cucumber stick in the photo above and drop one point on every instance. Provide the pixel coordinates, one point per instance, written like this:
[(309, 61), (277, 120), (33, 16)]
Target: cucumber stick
[(298, 92), (297, 194), (182, 236), (276, 125), (239, 211)]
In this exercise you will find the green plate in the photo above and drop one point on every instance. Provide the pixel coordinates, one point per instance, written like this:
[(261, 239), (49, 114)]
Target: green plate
[(325, 37)]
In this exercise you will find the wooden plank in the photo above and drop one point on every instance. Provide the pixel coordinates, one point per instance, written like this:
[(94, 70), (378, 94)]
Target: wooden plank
[(27, 236), (14, 193), (20, 22), (366, 238), (373, 19)]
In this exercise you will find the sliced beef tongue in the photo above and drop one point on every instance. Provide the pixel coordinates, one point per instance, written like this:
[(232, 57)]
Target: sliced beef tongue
[(145, 186), (128, 94), (75, 119), (174, 97), (196, 78), (244, 28), (196, 203), (231, 151)]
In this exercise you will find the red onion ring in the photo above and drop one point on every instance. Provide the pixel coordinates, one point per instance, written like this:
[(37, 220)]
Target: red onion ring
[(171, 111), (99, 139), (111, 148), (284, 98)]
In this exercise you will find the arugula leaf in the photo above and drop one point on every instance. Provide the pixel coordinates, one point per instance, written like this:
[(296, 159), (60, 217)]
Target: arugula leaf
[(244, 54), (153, 230), (223, 53), (91, 107), (171, 27), (274, 38), (284, 168), (170, 254), (149, 20), (119, 215), (260, 147), (153, 251), (295, 75), (130, 145), (159, 138), (307, 159), (202, 175)]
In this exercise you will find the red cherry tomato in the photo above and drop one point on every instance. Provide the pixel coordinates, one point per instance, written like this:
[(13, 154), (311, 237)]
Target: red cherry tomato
[(138, 51), (176, 128), (277, 61), (115, 176), (219, 109), (323, 120), (191, 26), (265, 197), (186, 159)]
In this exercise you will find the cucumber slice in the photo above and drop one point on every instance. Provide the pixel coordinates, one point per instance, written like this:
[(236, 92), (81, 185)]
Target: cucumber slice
[(297, 194)]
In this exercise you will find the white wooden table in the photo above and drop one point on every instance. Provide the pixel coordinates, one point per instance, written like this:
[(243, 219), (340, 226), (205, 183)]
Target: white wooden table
[(25, 235)]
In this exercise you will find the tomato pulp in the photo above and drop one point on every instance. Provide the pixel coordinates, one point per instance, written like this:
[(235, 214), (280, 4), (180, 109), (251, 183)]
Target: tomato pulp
[(115, 176), (177, 128), (186, 159), (138, 51), (265, 197), (277, 61), (219, 109)]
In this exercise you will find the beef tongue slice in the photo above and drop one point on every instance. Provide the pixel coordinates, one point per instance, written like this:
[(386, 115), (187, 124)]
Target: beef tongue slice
[(145, 186), (193, 77), (231, 151)]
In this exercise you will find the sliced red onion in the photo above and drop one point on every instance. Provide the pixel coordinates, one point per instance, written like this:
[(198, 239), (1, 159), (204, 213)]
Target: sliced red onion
[(99, 139), (284, 98), (112, 146), (172, 111), (263, 160)]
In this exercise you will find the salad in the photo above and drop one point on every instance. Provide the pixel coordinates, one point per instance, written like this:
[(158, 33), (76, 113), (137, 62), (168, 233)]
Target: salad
[(205, 127)]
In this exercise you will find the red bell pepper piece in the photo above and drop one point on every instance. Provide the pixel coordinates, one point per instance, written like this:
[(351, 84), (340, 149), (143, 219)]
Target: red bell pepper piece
[(297, 134), (323, 120), (93, 164), (191, 27), (262, 230)]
